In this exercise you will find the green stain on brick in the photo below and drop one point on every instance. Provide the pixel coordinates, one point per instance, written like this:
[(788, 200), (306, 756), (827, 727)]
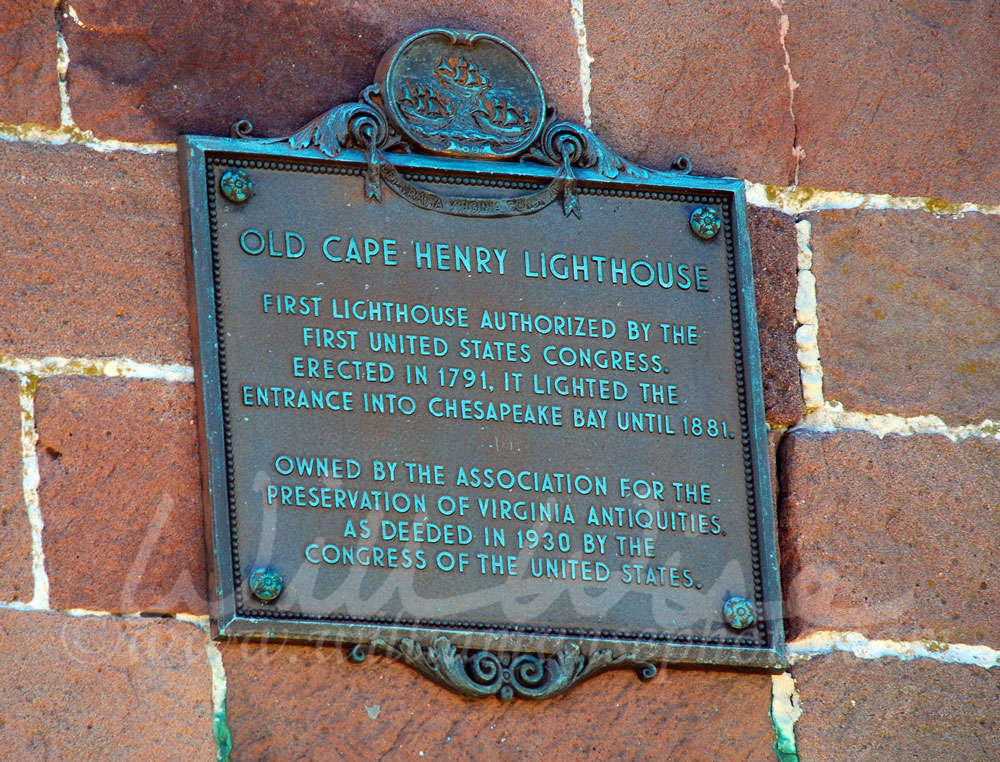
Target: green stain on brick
[(85, 367), (936, 646), (777, 194), (30, 131), (785, 711), (19, 131), (223, 738), (29, 387), (942, 207), (785, 756), (784, 745)]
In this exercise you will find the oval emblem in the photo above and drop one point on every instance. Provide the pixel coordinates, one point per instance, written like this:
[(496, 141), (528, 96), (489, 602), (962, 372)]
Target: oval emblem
[(462, 94)]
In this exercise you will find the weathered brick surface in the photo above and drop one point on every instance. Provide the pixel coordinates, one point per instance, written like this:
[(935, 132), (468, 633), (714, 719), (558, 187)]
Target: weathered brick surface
[(16, 583), (701, 79), (29, 83), (884, 709), (893, 538), (383, 710), (93, 254), (775, 263), (908, 315), (120, 495), (898, 98), (87, 688), (148, 71)]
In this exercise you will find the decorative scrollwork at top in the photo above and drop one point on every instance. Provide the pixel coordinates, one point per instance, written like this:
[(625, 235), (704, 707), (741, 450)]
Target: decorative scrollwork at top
[(362, 125), (434, 96), (587, 151), (480, 674)]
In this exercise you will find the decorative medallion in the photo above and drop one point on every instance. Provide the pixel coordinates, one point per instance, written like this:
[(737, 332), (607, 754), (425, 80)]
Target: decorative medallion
[(236, 186), (266, 584), (462, 94)]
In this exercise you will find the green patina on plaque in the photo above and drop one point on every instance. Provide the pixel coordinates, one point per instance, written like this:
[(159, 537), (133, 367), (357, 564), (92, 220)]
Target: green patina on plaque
[(476, 392)]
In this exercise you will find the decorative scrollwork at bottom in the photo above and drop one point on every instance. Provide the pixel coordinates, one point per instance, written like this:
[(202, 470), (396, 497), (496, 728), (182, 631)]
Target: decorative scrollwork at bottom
[(480, 674)]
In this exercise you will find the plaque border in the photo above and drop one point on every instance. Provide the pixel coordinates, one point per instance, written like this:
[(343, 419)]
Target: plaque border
[(229, 619)]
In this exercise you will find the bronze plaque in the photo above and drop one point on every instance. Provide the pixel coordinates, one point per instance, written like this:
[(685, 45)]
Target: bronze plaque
[(441, 412)]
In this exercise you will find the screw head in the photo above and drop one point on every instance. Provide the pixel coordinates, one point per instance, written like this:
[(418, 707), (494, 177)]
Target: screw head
[(738, 613), (236, 185), (705, 222), (265, 583)]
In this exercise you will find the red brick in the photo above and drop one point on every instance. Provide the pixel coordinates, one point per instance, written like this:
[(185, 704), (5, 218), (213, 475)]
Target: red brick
[(93, 252), (383, 710), (702, 79), (148, 71), (908, 316), (120, 495), (29, 82), (16, 581), (884, 709), (897, 97), (86, 688), (891, 537), (775, 274)]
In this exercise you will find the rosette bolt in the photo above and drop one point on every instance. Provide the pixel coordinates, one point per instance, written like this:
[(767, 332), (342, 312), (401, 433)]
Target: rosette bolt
[(705, 222), (236, 185), (266, 583), (738, 613)]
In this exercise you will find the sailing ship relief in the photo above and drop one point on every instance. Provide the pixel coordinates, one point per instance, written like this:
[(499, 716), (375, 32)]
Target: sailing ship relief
[(462, 104)]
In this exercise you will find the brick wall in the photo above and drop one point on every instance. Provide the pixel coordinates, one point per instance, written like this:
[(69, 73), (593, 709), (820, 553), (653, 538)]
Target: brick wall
[(867, 135)]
